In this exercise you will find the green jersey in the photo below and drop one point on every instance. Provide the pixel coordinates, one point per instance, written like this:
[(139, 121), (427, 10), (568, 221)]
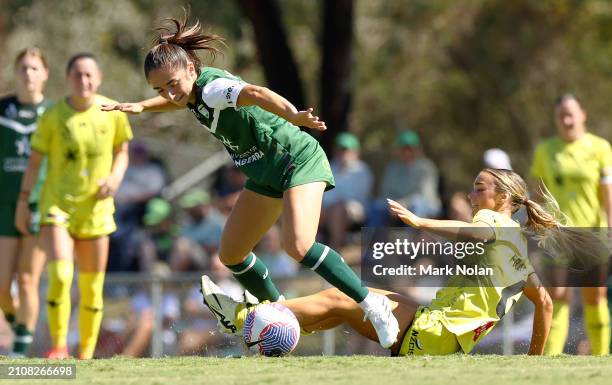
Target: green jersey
[(263, 145), (17, 124)]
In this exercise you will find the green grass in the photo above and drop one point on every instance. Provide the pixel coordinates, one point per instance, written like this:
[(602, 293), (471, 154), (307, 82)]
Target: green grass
[(449, 370)]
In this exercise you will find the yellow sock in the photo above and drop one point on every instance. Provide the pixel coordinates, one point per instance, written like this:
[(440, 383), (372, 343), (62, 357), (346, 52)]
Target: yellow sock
[(91, 287), (58, 300), (597, 325), (559, 328)]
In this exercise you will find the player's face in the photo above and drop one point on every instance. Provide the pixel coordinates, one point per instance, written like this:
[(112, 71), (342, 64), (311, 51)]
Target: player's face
[(84, 78), (483, 195), (570, 119), (174, 84), (31, 74)]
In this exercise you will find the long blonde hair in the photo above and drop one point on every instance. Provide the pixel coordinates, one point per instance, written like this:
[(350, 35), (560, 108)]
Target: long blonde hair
[(547, 225)]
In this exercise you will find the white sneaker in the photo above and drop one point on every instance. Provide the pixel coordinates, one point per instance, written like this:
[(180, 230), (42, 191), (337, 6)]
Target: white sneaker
[(379, 313), (222, 306)]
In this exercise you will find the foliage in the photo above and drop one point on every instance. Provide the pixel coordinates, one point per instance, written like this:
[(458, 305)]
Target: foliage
[(466, 74)]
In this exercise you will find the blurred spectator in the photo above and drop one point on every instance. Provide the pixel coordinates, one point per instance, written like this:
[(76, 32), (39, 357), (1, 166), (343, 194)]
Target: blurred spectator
[(496, 158), (230, 182), (411, 179), (161, 242), (205, 222), (144, 179), (344, 206), (459, 207)]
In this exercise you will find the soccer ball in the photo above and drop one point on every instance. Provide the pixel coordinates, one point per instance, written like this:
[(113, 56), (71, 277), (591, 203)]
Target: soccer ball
[(271, 330)]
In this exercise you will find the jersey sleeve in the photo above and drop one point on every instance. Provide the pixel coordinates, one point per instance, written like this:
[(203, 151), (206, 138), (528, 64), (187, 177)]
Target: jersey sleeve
[(605, 158), (488, 218), (222, 93), (123, 130), (41, 139)]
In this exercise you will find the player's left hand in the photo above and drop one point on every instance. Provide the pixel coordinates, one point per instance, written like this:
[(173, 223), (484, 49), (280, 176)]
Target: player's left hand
[(307, 119), (107, 188), (407, 216)]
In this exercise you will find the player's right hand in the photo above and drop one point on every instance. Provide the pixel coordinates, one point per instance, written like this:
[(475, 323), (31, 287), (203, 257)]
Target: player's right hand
[(22, 217), (130, 108)]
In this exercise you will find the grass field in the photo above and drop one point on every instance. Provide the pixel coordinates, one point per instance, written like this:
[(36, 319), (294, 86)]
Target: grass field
[(453, 370)]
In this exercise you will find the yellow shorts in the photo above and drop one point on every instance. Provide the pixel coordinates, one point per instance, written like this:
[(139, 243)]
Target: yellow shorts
[(81, 221), (428, 336)]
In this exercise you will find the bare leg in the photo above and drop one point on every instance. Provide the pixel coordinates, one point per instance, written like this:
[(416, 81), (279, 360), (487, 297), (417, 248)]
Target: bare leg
[(301, 212), (30, 266), (250, 219), (9, 247), (331, 307)]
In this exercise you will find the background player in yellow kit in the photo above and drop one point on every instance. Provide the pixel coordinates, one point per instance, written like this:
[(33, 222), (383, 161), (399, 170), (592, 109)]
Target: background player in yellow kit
[(576, 167), (460, 315), (19, 254), (87, 150)]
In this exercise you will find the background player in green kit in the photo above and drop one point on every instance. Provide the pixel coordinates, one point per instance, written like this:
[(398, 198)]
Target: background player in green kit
[(286, 168), (20, 254)]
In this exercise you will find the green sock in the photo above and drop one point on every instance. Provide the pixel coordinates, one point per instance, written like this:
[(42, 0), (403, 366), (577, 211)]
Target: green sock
[(253, 275), (329, 264), (23, 339), (10, 319)]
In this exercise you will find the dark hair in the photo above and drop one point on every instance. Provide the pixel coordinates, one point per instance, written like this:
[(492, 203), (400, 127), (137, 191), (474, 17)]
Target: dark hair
[(32, 51), (177, 43), (566, 97), (79, 56)]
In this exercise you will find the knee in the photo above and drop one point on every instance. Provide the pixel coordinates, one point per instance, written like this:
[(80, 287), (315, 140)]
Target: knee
[(557, 293), (297, 248), (26, 282)]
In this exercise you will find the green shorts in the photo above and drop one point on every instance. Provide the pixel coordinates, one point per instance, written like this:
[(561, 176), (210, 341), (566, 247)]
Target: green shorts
[(314, 169), (7, 220)]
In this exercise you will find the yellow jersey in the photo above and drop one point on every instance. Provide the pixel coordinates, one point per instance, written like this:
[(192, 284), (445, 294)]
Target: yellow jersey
[(468, 306), (572, 173), (80, 148)]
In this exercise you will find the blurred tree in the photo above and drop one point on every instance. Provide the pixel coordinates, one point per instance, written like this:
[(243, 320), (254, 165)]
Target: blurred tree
[(274, 53), (336, 68), (466, 74)]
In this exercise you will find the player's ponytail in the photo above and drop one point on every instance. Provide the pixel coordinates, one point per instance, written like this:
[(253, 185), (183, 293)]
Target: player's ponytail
[(573, 247), (177, 43)]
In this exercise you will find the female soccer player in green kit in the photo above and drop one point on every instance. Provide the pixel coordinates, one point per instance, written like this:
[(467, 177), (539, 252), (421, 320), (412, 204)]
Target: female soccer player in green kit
[(20, 253), (286, 168), (576, 167)]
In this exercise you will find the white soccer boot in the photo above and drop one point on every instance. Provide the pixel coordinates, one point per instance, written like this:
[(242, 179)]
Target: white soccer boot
[(378, 311), (222, 306)]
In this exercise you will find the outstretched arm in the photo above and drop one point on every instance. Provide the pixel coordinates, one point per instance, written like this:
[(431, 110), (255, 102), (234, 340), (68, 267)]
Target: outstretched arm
[(156, 104), (542, 317), (447, 228), (271, 101)]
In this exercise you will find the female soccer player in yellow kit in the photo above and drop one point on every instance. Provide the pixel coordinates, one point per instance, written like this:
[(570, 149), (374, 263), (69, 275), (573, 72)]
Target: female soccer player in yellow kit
[(576, 167), (87, 151), (460, 315)]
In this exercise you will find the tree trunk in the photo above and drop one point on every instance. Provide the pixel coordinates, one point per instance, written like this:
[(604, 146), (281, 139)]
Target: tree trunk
[(275, 55), (336, 70)]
